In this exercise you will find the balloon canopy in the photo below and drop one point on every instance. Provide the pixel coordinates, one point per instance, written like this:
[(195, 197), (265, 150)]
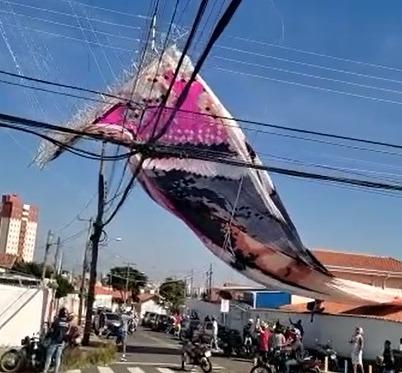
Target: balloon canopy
[(235, 211)]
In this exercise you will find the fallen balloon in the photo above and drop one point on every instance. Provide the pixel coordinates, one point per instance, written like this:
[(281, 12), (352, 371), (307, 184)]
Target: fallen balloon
[(235, 211)]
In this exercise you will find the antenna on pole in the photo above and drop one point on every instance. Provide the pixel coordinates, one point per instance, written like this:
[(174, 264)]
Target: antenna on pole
[(153, 34)]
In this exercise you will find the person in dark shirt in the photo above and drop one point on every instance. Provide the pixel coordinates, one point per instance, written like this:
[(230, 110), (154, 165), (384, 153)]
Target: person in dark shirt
[(388, 358), (58, 335), (297, 352), (248, 333), (298, 325)]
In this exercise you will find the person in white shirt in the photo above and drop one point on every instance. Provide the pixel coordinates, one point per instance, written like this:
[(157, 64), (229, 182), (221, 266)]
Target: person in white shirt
[(215, 334), (357, 342)]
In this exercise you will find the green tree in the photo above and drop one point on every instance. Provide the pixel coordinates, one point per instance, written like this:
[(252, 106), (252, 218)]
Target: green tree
[(63, 287), (173, 293), (120, 277), (35, 269), (32, 269)]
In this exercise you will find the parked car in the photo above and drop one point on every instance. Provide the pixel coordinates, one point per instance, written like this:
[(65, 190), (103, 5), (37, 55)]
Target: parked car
[(153, 320), (147, 318), (161, 323)]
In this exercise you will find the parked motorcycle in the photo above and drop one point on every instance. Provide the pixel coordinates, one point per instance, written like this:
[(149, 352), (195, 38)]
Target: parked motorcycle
[(248, 348), (276, 362), (230, 342), (196, 355), (326, 350), (30, 356)]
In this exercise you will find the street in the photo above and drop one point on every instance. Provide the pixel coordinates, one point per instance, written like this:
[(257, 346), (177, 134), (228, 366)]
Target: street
[(150, 352)]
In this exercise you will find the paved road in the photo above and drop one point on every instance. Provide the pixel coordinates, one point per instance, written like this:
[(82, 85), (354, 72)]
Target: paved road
[(150, 352)]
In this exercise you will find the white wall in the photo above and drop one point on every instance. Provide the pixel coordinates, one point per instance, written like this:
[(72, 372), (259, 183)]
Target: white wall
[(337, 328), (20, 313), (235, 319)]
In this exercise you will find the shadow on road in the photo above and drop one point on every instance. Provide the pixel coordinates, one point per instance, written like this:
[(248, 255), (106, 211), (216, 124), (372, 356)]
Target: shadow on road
[(157, 350)]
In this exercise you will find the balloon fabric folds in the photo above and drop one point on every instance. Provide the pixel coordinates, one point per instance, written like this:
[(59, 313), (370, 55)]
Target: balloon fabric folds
[(235, 211)]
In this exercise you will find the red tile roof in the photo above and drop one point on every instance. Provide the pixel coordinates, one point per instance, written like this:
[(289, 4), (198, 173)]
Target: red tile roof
[(7, 260), (102, 290), (145, 297), (360, 261), (384, 312)]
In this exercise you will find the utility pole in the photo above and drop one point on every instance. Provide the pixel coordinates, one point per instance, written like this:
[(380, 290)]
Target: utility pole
[(127, 282), (210, 272), (47, 248), (95, 238), (57, 257), (126, 287), (192, 283), (52, 276), (84, 271)]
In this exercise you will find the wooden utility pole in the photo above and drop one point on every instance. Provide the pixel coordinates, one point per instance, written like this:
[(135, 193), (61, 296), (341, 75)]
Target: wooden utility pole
[(192, 283), (95, 238), (84, 272), (126, 287), (53, 304), (210, 272), (47, 249), (57, 257)]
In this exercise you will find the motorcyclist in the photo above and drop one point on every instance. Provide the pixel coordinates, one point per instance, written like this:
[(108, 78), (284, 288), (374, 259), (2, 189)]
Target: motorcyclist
[(297, 351), (193, 342), (248, 333)]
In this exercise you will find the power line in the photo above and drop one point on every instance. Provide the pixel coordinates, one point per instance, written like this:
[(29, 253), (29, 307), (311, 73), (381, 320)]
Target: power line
[(58, 23), (316, 54), (216, 157), (307, 64), (306, 75), (330, 90), (48, 10), (237, 119)]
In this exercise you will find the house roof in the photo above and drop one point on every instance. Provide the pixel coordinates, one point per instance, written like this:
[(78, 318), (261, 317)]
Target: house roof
[(145, 297), (7, 260), (383, 312), (103, 290), (334, 259)]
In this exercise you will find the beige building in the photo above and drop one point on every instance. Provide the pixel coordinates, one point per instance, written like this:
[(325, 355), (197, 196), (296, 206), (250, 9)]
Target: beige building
[(18, 226)]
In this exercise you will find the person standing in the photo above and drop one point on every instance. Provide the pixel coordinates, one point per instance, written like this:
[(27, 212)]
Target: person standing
[(278, 340), (357, 342), (125, 318), (58, 335), (215, 329), (297, 352), (298, 325), (263, 342), (388, 358)]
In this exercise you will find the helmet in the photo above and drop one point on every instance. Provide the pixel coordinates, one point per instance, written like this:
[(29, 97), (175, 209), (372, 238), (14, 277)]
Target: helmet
[(251, 321), (297, 333)]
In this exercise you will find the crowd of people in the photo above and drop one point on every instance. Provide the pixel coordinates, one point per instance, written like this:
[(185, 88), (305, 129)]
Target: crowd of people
[(266, 337), (279, 337)]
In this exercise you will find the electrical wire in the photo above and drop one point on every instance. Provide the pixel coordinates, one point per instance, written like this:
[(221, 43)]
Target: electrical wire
[(228, 118), (192, 152)]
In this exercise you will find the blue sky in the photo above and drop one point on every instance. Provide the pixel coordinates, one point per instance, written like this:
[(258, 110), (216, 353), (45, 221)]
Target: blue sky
[(47, 40)]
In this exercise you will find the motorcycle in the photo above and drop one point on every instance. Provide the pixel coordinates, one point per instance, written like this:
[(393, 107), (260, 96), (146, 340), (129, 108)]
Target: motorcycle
[(276, 362), (31, 356), (230, 342), (248, 349), (196, 355), (325, 350)]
